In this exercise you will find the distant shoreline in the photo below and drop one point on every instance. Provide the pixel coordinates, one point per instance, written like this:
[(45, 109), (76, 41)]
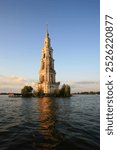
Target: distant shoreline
[(87, 93), (79, 93)]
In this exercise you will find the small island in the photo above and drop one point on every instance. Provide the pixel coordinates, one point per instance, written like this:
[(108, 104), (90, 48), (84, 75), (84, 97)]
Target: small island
[(64, 91)]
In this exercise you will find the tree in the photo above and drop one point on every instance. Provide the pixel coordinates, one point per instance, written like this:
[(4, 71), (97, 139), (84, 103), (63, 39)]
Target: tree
[(62, 90), (57, 93), (65, 90), (27, 91)]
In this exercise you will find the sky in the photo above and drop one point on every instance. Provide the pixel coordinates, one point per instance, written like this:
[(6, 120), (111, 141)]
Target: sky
[(74, 27)]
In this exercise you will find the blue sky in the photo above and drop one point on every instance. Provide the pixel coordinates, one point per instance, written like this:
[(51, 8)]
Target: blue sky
[(74, 32)]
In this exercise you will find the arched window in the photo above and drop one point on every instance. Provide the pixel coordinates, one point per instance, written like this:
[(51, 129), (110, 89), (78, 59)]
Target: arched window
[(51, 78), (42, 79), (44, 55), (43, 65)]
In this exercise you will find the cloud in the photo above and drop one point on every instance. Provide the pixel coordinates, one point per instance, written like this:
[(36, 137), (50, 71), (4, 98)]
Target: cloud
[(82, 86), (87, 82), (14, 83)]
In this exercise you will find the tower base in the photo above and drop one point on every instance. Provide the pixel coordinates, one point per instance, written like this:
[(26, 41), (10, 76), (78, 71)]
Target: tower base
[(47, 88)]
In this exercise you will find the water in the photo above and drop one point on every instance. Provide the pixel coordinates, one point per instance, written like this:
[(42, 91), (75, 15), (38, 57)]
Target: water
[(50, 123)]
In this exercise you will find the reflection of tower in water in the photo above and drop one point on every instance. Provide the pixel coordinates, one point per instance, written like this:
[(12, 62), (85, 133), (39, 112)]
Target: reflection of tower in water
[(47, 123)]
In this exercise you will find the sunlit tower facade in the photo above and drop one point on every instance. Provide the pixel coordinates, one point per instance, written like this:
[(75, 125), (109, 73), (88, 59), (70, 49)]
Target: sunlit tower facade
[(47, 73)]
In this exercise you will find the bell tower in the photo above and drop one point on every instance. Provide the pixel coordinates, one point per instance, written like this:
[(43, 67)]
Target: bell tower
[(47, 73)]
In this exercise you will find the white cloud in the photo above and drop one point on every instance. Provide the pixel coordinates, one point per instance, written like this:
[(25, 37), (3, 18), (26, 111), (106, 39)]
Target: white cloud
[(82, 86), (14, 83)]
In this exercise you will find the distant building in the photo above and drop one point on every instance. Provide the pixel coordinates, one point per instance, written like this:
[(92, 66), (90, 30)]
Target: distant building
[(47, 73)]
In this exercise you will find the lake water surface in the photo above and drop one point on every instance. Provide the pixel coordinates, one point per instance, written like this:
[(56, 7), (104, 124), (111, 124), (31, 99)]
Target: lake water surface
[(50, 123)]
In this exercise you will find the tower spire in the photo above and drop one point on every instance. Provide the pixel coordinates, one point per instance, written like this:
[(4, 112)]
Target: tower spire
[(47, 28), (47, 34)]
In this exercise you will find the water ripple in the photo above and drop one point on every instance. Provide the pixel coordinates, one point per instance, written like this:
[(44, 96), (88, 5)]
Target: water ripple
[(50, 123)]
